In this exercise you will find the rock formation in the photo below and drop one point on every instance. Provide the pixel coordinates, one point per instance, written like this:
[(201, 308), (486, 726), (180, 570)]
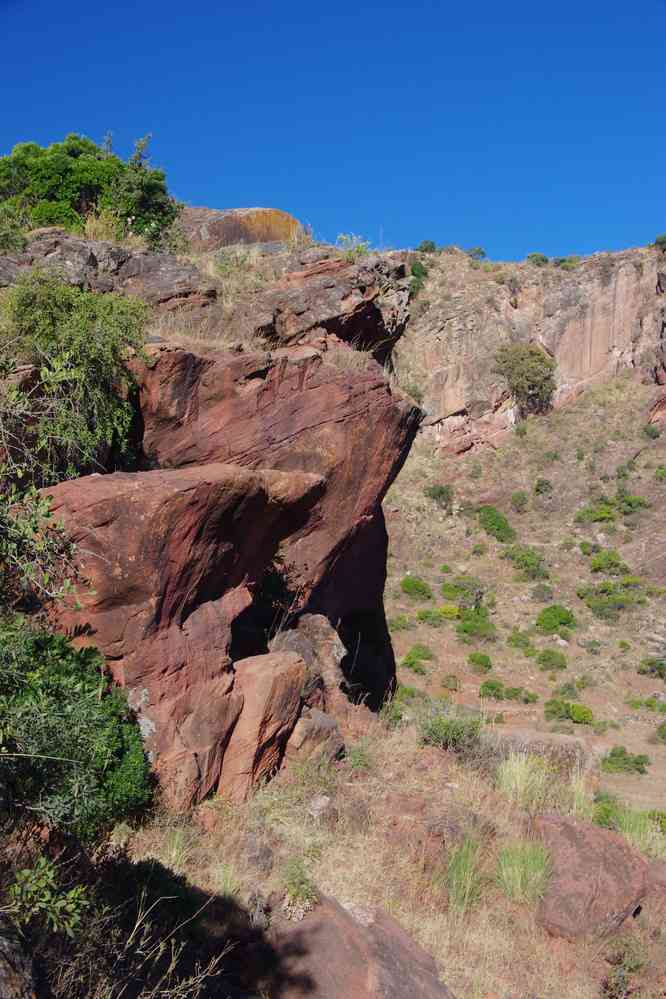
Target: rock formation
[(605, 315), (210, 228)]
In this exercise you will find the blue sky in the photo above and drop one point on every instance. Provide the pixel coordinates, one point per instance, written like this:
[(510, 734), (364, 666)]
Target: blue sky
[(517, 127)]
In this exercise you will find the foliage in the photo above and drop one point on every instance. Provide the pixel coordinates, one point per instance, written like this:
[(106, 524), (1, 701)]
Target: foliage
[(606, 600), (538, 259), (609, 563), (64, 182), (495, 523), (660, 241), (401, 622), (554, 618), (660, 733), (300, 892), (651, 431), (529, 561), (596, 513), (36, 897), (523, 871), (353, 247), (435, 618), (566, 263), (529, 373), (496, 690), (552, 659), (464, 881), (493, 689), (476, 253), (13, 227), (475, 623), (526, 780), (606, 508), (557, 709), (480, 662), (414, 659), (62, 420), (519, 501), (442, 495), (660, 473), (396, 707), (441, 728), (427, 246), (419, 273), (416, 588), (619, 761), (521, 640), (653, 666), (70, 752), (468, 590), (543, 487)]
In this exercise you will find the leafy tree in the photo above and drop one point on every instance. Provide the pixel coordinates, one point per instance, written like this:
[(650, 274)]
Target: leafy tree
[(529, 373), (70, 752), (427, 246), (538, 259), (476, 253)]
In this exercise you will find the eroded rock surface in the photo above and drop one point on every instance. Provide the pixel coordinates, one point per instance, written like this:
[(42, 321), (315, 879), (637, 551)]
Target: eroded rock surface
[(209, 229), (598, 880)]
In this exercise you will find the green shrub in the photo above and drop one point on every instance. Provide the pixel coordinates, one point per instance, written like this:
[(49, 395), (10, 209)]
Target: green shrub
[(651, 431), (653, 666), (660, 242), (495, 523), (538, 259), (529, 373), (543, 487), (554, 618), (448, 612), (606, 600), (80, 343), (37, 896), (66, 181), (609, 563), (353, 247), (566, 263), (417, 655), (467, 590), (300, 891), (479, 549), (660, 734), (74, 757), (551, 660), (441, 495), (433, 618), (588, 548), (416, 588), (519, 501), (14, 223), (557, 709), (445, 567), (493, 689), (480, 662), (618, 760), (475, 623), (660, 473), (459, 733), (401, 622), (476, 253), (418, 272), (396, 706), (521, 640), (523, 871), (427, 246), (529, 561), (596, 513)]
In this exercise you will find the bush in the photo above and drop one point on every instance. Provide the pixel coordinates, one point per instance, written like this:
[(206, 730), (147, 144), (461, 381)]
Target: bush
[(480, 662), (523, 871), (552, 660), (618, 761), (401, 622), (416, 588), (530, 375), (566, 263), (588, 548), (606, 600), (538, 259), (596, 513), (449, 731), (495, 523), (65, 423), (543, 487), (651, 431), (433, 618), (660, 733), (557, 709), (476, 253), (414, 659), (468, 590), (300, 892), (519, 501), (396, 707), (427, 246), (660, 242), (529, 561), (609, 563), (353, 247), (475, 623), (660, 473), (493, 689), (653, 666), (74, 757), (441, 495), (14, 223), (554, 618), (64, 182), (419, 273), (521, 640), (526, 780)]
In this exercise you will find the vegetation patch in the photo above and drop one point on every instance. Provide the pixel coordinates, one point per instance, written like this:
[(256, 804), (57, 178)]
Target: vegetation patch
[(495, 523), (619, 761), (441, 495), (417, 655), (554, 619), (557, 709), (529, 562), (523, 871), (480, 662), (608, 562), (606, 600), (447, 730), (551, 660), (475, 623), (529, 374), (495, 690), (416, 588)]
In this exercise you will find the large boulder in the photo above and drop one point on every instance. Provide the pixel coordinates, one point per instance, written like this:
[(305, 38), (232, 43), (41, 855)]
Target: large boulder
[(598, 880), (351, 952), (16, 971), (168, 561), (291, 410), (209, 229)]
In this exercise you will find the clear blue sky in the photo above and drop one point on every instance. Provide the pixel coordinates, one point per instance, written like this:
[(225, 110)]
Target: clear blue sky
[(517, 126)]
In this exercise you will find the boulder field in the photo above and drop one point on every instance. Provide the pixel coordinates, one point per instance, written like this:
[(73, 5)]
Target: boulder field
[(234, 581)]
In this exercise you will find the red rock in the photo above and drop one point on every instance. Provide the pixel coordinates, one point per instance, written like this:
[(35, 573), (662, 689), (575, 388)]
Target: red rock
[(270, 686), (209, 229), (339, 952), (171, 558), (598, 879), (315, 734)]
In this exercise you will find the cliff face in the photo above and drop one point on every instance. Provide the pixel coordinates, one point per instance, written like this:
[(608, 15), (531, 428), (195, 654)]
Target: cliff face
[(605, 315)]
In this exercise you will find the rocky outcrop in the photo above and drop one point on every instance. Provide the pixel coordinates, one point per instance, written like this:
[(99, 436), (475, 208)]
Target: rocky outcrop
[(16, 972), (605, 315), (164, 281), (209, 229), (168, 562), (363, 303), (598, 880), (351, 952)]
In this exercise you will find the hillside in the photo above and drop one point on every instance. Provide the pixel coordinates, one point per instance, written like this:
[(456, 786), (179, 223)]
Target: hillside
[(306, 690)]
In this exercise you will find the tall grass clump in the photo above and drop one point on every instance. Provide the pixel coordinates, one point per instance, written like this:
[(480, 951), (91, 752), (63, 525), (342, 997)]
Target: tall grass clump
[(523, 871), (464, 881)]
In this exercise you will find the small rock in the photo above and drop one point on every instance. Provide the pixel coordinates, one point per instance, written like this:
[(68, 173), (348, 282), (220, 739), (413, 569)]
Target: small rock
[(322, 810)]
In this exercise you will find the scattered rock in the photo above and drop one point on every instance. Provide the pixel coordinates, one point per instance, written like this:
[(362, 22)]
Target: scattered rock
[(315, 735), (598, 879), (323, 811), (354, 953)]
